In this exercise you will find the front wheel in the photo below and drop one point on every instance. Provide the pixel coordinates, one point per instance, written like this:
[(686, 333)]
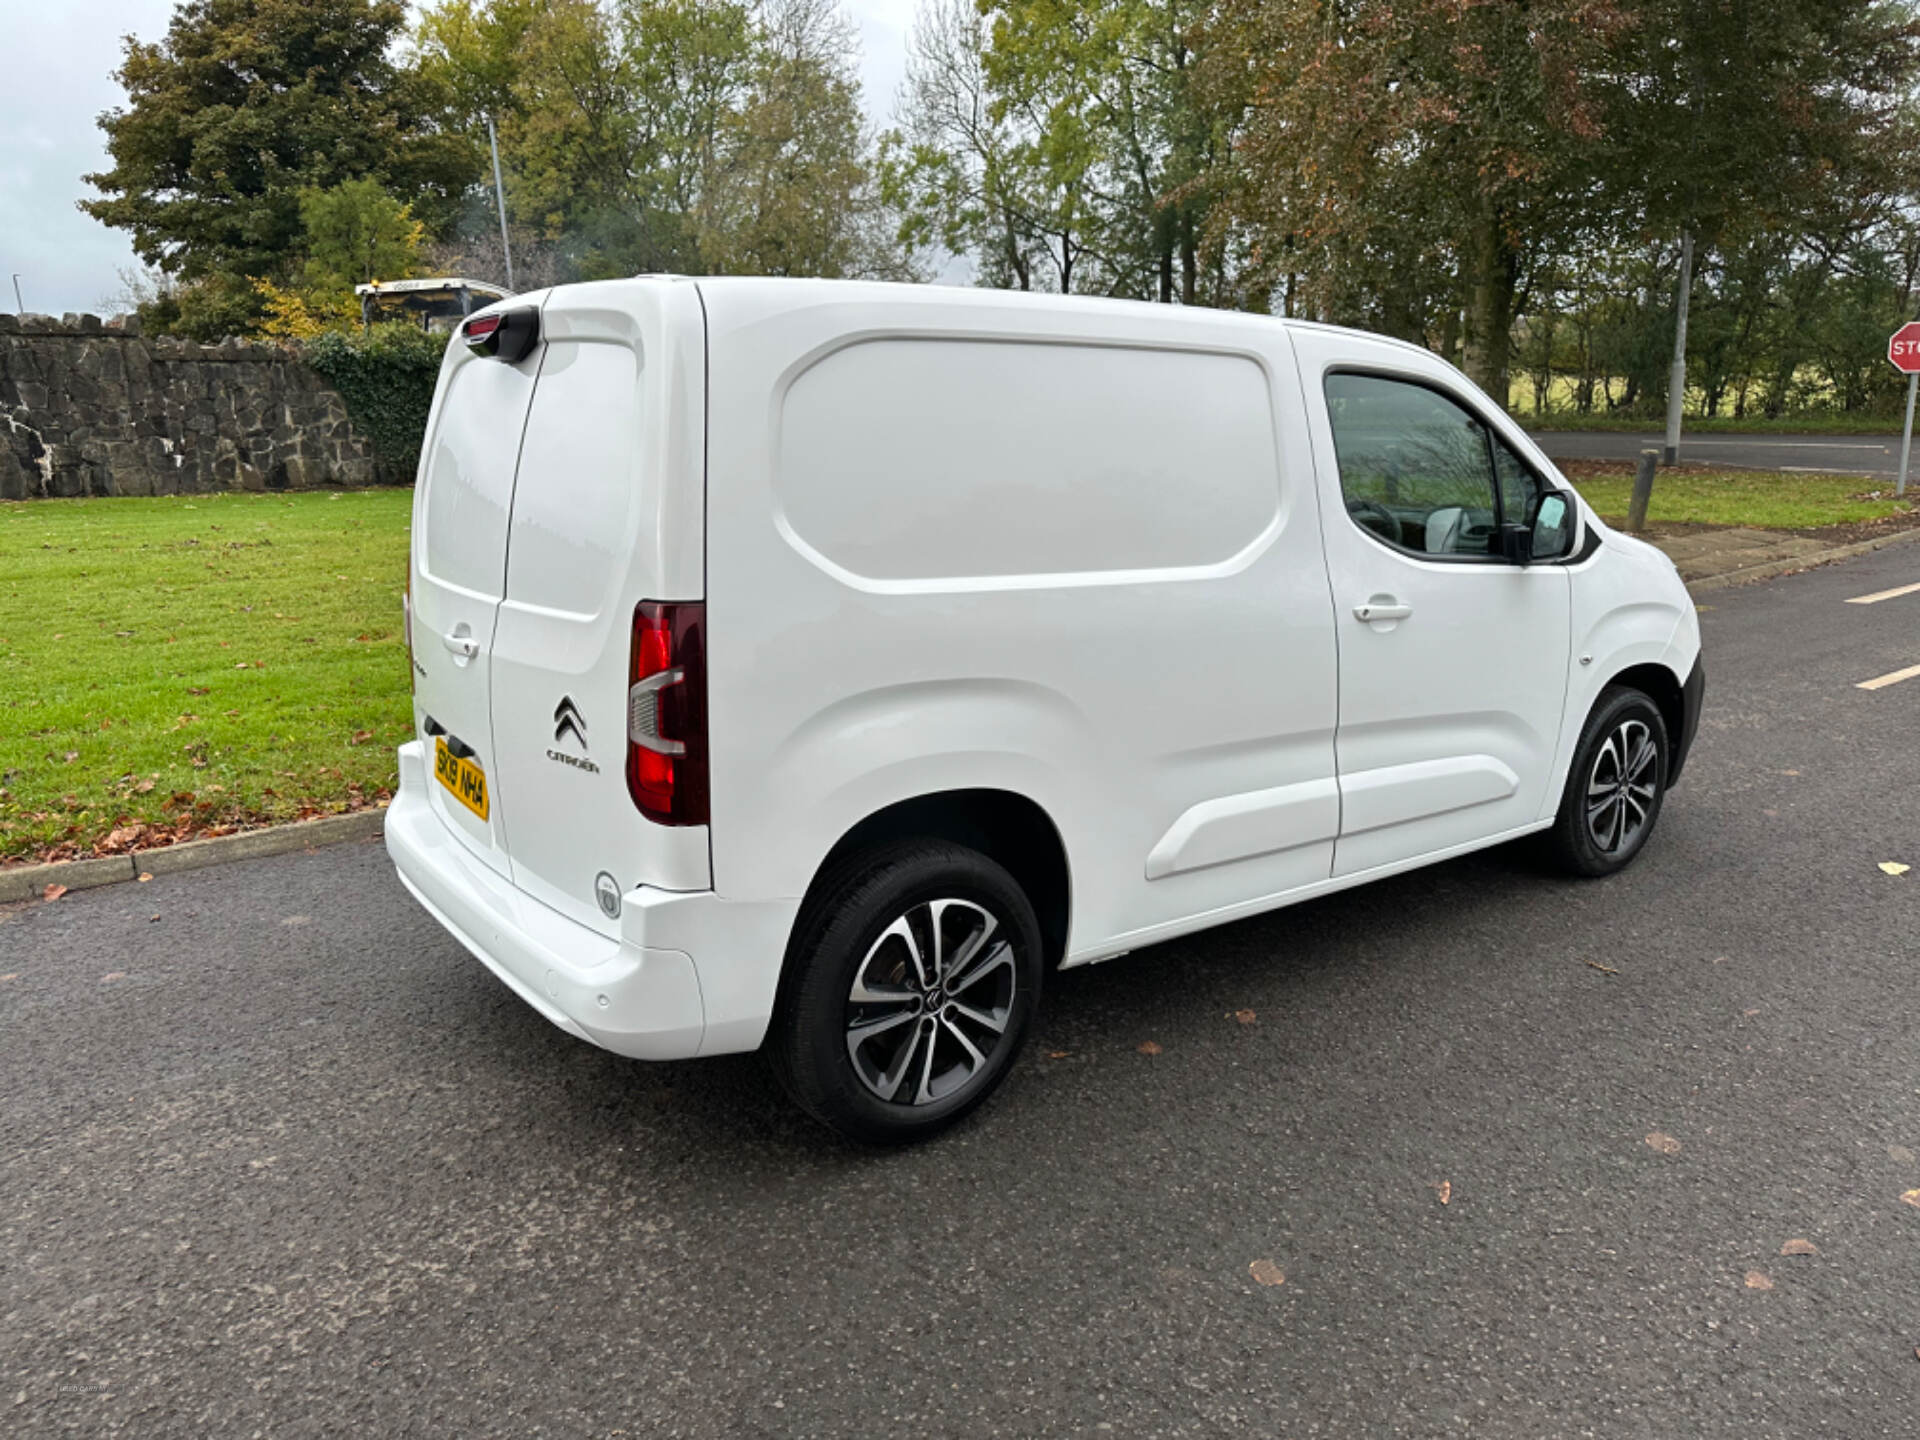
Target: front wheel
[(1614, 788), (917, 971)]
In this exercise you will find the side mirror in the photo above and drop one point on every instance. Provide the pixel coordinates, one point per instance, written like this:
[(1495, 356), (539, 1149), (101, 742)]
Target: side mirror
[(1516, 544), (1551, 535)]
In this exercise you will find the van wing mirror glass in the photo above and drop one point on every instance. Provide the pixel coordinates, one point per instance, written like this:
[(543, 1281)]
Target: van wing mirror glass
[(1553, 526)]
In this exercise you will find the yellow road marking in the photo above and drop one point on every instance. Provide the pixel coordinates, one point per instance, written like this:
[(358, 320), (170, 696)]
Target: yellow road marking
[(1881, 682), (1879, 595)]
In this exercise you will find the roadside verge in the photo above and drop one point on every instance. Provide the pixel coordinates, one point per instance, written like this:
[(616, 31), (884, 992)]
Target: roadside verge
[(30, 882)]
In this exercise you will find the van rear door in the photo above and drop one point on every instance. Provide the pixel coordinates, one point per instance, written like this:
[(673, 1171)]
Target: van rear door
[(607, 513), (459, 560)]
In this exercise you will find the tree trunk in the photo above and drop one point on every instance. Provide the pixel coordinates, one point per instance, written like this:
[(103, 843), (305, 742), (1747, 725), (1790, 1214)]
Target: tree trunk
[(1450, 333), (1491, 283)]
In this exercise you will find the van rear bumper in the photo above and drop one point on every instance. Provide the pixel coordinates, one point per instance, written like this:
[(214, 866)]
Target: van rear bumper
[(642, 994)]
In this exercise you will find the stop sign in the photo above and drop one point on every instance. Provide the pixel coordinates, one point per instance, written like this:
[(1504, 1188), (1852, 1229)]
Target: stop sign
[(1904, 348)]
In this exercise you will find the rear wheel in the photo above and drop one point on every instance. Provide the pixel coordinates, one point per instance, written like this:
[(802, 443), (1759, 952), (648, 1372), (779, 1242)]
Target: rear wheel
[(917, 970), (1614, 788)]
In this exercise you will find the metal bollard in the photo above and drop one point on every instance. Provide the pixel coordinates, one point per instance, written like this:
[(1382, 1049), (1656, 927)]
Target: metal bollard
[(1642, 491)]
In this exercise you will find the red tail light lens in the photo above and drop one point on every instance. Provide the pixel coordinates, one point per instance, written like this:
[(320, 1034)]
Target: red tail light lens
[(667, 713)]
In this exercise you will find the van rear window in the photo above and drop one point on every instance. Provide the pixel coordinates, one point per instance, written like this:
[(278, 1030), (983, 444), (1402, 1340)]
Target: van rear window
[(943, 459)]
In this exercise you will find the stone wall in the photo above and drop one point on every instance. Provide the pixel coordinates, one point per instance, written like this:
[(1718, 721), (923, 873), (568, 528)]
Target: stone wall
[(93, 409)]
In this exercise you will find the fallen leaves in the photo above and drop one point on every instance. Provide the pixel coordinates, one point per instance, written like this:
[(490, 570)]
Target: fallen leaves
[(53, 892), (1265, 1272), (1664, 1143), (144, 876), (1799, 1247), (1756, 1280), (1894, 867), (1148, 1047), (1603, 969), (112, 976), (1245, 1017), (1911, 1197), (1445, 1191)]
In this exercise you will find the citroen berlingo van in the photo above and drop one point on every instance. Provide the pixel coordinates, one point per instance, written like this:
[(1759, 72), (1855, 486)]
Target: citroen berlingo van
[(817, 665)]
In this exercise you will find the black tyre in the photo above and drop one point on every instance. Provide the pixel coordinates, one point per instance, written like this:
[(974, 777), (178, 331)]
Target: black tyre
[(1614, 787), (916, 972)]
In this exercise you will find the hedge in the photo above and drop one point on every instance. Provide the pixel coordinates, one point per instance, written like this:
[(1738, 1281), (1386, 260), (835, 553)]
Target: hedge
[(386, 376)]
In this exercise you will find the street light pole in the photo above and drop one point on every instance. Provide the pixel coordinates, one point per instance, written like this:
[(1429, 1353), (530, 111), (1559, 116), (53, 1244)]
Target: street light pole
[(1677, 378), (500, 198), (19, 305)]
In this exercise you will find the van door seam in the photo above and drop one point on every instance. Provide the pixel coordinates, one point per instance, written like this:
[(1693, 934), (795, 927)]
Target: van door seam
[(1326, 574)]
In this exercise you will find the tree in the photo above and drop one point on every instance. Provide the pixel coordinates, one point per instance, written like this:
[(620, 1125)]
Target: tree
[(790, 166), (246, 105), (1418, 148), (683, 135), (356, 232)]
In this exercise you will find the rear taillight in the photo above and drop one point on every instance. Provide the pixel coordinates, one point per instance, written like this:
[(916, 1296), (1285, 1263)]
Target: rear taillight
[(508, 335), (667, 713)]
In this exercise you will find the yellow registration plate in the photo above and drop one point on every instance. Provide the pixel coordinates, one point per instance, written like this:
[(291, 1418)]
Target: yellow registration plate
[(466, 780)]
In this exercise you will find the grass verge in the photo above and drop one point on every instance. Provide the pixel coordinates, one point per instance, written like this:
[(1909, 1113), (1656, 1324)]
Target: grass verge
[(1763, 499), (181, 666), (1824, 424)]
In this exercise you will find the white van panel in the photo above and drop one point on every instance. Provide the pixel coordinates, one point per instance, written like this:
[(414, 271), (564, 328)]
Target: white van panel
[(1117, 656), (469, 473), (607, 512), (574, 509), (459, 560), (993, 458)]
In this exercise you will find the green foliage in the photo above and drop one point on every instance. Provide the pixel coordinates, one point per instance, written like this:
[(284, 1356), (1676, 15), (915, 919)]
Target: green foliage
[(1063, 147), (386, 376), (1762, 498), (214, 659), (356, 232), (680, 135), (245, 105)]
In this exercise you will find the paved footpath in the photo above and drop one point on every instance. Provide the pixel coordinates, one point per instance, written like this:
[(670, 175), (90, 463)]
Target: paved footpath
[(276, 1158)]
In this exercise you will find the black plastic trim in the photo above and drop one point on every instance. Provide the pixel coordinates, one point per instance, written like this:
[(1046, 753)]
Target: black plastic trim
[(513, 339), (1692, 694)]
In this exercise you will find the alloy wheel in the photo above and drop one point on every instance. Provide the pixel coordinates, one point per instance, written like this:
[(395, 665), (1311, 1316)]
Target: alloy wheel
[(1621, 787), (930, 1003)]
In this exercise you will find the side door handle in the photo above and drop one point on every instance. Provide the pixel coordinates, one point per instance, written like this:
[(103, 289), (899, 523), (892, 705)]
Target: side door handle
[(1382, 607)]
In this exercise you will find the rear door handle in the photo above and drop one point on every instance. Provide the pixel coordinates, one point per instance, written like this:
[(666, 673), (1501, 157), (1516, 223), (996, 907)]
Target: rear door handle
[(1382, 610), (461, 642)]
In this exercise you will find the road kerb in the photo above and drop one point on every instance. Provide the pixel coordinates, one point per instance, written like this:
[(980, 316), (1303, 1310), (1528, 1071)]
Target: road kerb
[(1793, 563), (29, 882)]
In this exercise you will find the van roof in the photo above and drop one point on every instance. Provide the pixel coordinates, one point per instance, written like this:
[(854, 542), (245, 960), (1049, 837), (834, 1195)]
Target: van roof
[(774, 294)]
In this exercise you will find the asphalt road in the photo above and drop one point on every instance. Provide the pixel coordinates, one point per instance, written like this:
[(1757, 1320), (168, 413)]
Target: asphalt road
[(1876, 455), (277, 1158)]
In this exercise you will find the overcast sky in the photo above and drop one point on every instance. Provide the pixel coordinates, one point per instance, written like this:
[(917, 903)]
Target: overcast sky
[(63, 54)]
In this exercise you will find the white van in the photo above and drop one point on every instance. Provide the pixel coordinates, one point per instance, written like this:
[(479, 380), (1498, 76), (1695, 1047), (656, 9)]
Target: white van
[(817, 665)]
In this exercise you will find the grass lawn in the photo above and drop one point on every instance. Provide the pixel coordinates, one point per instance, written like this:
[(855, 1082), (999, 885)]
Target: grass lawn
[(174, 666), (1823, 423), (1760, 498)]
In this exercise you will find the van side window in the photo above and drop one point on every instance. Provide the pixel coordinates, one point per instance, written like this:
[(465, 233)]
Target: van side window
[(1415, 468), (1520, 488)]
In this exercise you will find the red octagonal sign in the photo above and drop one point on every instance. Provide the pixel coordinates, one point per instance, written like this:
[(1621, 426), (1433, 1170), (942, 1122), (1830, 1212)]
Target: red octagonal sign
[(1904, 348)]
